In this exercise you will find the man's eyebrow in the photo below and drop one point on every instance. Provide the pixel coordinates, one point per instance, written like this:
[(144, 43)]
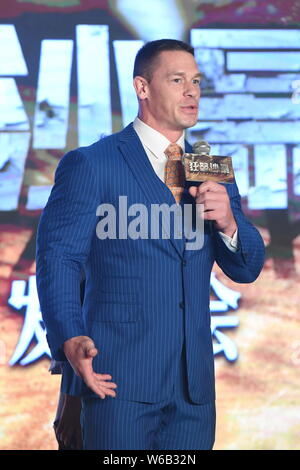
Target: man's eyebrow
[(199, 74)]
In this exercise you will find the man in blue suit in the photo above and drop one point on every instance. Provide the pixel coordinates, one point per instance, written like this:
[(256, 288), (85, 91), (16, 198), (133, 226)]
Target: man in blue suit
[(141, 341)]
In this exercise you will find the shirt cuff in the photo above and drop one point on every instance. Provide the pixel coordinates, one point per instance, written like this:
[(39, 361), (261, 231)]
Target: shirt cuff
[(231, 243)]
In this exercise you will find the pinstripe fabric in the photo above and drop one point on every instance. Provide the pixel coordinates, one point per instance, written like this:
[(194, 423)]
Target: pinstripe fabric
[(133, 305), (173, 424), (71, 384)]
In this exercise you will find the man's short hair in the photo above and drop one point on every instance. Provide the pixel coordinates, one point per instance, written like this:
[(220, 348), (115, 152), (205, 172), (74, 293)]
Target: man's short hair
[(147, 56)]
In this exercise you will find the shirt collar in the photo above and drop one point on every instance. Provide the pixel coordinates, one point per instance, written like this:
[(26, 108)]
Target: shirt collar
[(154, 140)]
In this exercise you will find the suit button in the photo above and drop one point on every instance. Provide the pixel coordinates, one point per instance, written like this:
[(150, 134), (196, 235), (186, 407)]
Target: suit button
[(181, 305), (184, 262)]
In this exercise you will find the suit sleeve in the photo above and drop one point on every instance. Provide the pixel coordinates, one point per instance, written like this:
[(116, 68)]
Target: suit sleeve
[(245, 264), (71, 384), (65, 231)]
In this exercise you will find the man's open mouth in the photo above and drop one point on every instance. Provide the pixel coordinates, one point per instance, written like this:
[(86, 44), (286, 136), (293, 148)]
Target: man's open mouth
[(190, 108)]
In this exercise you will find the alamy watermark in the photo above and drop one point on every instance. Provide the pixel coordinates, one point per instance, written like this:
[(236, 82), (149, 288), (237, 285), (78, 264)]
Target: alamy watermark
[(175, 221)]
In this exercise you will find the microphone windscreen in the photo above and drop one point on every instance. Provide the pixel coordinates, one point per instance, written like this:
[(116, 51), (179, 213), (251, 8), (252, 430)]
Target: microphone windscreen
[(201, 148)]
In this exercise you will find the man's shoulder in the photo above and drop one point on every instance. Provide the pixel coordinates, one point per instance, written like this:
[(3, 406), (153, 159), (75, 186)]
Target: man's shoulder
[(107, 142), (100, 145)]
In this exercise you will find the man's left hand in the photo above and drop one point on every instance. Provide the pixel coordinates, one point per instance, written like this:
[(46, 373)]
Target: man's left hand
[(216, 204)]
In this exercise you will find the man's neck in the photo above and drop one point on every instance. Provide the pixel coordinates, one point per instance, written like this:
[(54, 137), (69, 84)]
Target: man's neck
[(171, 135)]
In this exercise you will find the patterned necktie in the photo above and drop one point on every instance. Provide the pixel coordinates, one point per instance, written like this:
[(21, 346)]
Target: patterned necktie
[(174, 171)]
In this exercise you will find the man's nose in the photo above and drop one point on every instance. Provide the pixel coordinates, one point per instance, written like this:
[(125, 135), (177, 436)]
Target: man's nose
[(192, 90)]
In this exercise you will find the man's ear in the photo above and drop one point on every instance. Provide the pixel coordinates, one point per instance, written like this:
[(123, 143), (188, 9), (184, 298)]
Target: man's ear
[(141, 87)]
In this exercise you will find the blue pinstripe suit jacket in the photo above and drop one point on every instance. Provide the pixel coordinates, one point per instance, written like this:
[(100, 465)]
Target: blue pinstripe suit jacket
[(144, 298)]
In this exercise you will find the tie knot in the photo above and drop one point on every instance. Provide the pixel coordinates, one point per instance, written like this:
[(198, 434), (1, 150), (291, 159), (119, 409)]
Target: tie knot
[(173, 152)]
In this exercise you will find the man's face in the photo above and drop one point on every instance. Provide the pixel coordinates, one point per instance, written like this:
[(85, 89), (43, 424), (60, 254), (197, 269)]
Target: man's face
[(172, 96)]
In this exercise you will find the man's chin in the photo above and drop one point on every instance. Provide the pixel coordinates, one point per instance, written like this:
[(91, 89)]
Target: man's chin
[(186, 123)]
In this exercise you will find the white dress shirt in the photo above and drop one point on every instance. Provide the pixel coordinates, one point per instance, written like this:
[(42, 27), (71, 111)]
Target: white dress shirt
[(155, 144)]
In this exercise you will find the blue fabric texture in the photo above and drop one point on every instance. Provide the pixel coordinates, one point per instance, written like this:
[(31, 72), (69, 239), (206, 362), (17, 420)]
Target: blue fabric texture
[(144, 298)]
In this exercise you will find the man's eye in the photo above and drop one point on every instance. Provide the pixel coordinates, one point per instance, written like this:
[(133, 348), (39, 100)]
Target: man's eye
[(176, 80), (196, 81)]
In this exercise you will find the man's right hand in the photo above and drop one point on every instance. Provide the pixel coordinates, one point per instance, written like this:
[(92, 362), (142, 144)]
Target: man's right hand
[(80, 352)]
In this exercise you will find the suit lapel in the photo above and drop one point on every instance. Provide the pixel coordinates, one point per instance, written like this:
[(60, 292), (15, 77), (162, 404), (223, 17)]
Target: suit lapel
[(153, 188)]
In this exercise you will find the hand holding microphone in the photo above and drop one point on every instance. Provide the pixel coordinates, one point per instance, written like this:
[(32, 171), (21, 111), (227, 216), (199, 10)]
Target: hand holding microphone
[(212, 195)]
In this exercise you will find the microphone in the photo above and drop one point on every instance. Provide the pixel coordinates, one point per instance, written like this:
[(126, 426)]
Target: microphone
[(201, 166), (201, 148)]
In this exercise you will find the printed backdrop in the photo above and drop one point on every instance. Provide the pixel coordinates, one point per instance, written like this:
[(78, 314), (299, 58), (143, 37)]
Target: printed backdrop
[(65, 81)]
